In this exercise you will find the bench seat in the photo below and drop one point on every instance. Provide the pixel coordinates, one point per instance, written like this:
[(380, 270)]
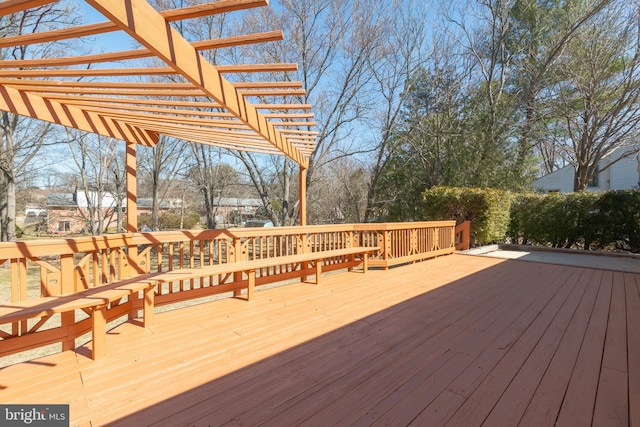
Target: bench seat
[(249, 267), (93, 301)]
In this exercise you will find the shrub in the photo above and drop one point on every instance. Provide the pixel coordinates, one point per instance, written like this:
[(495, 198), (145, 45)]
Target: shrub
[(487, 209), (586, 220), (171, 221), (559, 220), (618, 217)]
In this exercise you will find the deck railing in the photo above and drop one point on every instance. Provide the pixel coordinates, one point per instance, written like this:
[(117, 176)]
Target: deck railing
[(33, 269), (406, 242), (60, 266)]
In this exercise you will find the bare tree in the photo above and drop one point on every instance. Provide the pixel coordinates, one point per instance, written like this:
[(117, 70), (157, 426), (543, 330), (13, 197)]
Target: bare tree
[(540, 35), (263, 179), (117, 187), (483, 31), (396, 58), (20, 141), (93, 156), (212, 178), (162, 164), (515, 46), (347, 188), (333, 41), (21, 138), (598, 96)]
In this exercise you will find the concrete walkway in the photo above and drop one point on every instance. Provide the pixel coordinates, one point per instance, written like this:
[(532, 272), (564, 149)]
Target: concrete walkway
[(600, 260)]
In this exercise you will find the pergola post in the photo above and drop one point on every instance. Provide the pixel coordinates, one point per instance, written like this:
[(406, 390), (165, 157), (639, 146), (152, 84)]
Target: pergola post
[(303, 195), (132, 206), (132, 189)]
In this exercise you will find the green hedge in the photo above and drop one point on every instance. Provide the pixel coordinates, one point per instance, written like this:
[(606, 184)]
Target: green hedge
[(170, 220), (618, 220), (585, 220), (487, 209), (608, 220), (559, 220)]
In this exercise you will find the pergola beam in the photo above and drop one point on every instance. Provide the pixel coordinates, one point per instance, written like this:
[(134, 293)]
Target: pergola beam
[(111, 104), (8, 7), (190, 12), (150, 29), (31, 105), (139, 101), (268, 36), (283, 106), (73, 85)]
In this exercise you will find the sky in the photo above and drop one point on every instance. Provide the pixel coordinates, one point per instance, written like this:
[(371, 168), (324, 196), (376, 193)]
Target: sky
[(109, 42)]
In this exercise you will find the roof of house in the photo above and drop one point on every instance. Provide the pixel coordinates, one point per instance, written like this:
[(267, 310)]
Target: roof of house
[(235, 201), (146, 203), (61, 200)]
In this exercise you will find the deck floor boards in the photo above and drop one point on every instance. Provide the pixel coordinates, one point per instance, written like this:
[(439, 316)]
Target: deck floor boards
[(458, 340)]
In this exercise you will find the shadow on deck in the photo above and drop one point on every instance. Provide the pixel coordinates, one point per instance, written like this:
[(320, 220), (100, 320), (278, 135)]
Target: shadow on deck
[(458, 340)]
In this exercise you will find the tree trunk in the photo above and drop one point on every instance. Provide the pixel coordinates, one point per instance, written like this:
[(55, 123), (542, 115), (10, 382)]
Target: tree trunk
[(10, 232), (8, 208), (580, 178), (155, 188), (286, 193)]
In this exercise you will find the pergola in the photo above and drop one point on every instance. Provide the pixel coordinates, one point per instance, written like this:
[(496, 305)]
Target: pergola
[(205, 106)]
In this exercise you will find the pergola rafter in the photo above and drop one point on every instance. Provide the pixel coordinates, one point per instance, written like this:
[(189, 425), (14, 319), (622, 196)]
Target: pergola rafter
[(108, 94), (137, 53)]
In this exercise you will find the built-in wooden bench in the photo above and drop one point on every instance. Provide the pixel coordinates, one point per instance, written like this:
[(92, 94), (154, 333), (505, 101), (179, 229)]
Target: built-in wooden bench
[(250, 267), (95, 301)]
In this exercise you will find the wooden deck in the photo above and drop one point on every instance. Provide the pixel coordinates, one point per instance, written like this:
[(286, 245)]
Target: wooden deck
[(459, 340)]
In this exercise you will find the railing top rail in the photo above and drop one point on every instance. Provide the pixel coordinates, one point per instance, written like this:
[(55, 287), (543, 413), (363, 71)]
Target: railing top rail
[(67, 246), (45, 247), (404, 225)]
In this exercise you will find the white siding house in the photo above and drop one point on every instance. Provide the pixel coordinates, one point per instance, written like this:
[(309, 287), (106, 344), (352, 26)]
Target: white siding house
[(622, 175)]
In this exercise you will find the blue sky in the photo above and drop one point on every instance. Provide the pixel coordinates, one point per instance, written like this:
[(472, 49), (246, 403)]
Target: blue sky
[(110, 42)]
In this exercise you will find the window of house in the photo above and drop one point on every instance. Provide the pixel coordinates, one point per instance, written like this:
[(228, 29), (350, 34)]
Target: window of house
[(64, 226), (594, 181)]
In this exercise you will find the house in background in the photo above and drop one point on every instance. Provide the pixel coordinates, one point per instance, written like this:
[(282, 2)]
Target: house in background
[(145, 205), (235, 211), (63, 214), (622, 175), (68, 212)]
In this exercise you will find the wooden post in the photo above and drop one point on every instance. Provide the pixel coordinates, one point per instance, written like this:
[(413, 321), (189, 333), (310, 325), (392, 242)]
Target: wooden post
[(132, 207), (386, 248), (251, 279), (462, 236), (302, 203), (99, 332), (237, 276), (68, 286), (303, 195), (132, 191), (147, 306)]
